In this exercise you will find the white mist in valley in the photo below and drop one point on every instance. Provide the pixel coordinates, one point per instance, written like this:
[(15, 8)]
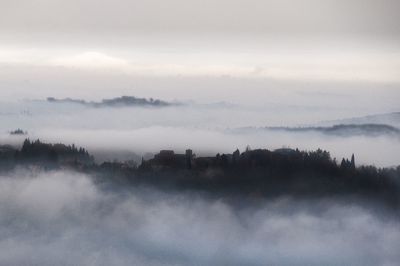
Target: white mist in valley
[(241, 74), (68, 218), (130, 132)]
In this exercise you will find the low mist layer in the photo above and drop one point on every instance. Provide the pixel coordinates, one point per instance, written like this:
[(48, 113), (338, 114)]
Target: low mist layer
[(87, 222), (118, 133)]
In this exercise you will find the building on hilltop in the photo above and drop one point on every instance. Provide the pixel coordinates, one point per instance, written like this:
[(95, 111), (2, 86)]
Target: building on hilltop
[(168, 158)]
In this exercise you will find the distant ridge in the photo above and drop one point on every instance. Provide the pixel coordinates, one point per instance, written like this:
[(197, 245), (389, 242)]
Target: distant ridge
[(392, 119), (342, 130), (123, 101)]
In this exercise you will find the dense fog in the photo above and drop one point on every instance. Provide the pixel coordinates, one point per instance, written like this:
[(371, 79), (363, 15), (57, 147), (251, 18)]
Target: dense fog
[(130, 132), (67, 218), (123, 79)]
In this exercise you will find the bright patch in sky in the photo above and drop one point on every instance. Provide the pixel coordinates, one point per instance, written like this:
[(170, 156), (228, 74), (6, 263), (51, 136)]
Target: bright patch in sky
[(90, 60), (371, 67)]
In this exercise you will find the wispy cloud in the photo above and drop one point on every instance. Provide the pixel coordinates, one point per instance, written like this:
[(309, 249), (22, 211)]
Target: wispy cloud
[(326, 67)]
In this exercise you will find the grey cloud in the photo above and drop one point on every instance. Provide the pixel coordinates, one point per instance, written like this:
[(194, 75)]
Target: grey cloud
[(272, 16)]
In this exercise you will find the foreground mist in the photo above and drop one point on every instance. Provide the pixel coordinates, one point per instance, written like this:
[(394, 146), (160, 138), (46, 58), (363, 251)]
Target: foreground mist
[(62, 217)]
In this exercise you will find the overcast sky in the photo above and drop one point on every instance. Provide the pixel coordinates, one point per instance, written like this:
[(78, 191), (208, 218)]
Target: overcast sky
[(238, 16), (352, 43), (278, 62)]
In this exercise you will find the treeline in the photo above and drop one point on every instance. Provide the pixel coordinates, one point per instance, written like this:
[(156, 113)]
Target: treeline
[(257, 173), (43, 154), (265, 173), (123, 101)]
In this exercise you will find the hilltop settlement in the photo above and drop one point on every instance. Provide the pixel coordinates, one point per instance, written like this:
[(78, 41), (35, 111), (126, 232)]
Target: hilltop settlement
[(258, 172)]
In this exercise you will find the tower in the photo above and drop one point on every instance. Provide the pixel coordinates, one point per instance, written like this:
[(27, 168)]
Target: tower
[(189, 157)]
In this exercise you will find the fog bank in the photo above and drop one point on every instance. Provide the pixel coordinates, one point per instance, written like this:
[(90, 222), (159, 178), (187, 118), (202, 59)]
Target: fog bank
[(87, 224), (208, 129)]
